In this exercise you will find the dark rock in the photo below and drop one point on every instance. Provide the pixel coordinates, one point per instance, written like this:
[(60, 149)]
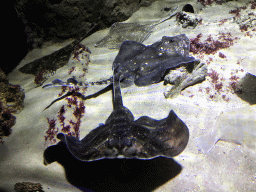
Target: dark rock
[(61, 19), (15, 39), (245, 88), (11, 101), (28, 187)]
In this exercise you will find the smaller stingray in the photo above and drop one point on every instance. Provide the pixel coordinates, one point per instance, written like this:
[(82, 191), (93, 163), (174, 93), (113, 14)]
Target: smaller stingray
[(50, 63), (120, 32), (235, 125), (122, 137)]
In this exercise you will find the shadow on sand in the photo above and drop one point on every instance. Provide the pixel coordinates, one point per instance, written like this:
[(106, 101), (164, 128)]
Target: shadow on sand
[(113, 174)]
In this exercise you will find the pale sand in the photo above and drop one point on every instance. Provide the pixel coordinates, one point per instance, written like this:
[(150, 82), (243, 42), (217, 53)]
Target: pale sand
[(226, 167)]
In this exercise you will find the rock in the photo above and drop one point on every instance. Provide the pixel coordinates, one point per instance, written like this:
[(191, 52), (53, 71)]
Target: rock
[(11, 101), (187, 20), (28, 187), (245, 88), (51, 19), (15, 39), (183, 77)]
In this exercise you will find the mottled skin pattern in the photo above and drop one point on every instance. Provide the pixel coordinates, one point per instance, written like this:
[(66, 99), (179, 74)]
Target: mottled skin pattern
[(145, 65), (122, 137)]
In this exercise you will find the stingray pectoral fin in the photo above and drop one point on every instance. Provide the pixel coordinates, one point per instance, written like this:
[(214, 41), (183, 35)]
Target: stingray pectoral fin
[(128, 50), (93, 146), (82, 152), (206, 142), (73, 144), (156, 74), (148, 122), (168, 137)]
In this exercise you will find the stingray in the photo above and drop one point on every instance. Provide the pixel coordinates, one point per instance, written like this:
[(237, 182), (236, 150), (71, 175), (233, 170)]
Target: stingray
[(235, 125), (50, 63), (122, 137), (120, 32), (144, 65)]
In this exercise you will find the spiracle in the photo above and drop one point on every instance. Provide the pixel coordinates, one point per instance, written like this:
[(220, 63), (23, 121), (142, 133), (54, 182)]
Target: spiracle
[(188, 8)]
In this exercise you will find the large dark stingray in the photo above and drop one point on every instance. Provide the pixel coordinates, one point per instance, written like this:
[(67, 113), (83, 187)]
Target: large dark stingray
[(144, 65), (122, 137)]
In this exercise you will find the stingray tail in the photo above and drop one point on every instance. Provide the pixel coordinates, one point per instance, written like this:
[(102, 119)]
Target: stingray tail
[(206, 142), (102, 82), (60, 83), (117, 95), (167, 18)]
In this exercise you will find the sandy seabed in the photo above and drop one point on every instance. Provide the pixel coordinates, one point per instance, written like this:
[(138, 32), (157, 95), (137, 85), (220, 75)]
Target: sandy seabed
[(210, 115)]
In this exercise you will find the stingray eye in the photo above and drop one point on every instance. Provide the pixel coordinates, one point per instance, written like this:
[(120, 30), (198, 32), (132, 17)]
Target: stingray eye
[(171, 40)]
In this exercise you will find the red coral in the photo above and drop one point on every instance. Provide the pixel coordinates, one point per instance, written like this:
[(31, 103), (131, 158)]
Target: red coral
[(221, 55), (61, 114), (80, 49), (63, 89), (235, 12), (211, 96), (207, 90), (78, 114), (243, 27), (195, 44), (39, 78), (223, 21), (52, 130), (247, 34), (253, 4), (234, 78), (85, 70), (215, 79), (218, 86), (71, 70), (233, 82), (77, 128), (207, 2), (214, 76), (233, 85), (74, 89), (66, 129), (62, 118), (79, 111), (72, 101), (210, 46)]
